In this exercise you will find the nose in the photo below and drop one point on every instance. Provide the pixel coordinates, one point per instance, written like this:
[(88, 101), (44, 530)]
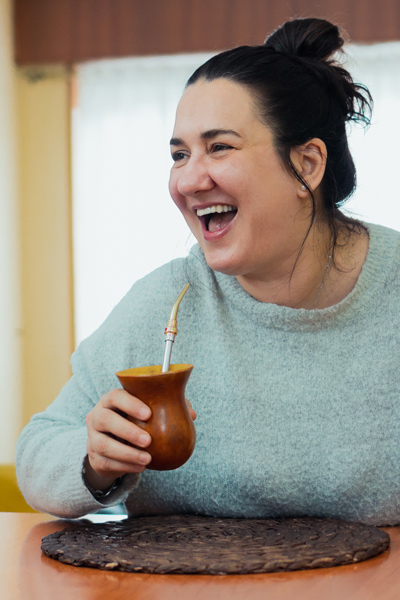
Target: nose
[(193, 177)]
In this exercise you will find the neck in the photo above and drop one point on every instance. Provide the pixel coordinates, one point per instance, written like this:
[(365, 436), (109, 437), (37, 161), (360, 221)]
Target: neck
[(313, 282), (300, 283)]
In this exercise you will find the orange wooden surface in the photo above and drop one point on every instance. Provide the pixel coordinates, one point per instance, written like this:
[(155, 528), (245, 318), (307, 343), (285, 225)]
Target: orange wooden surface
[(26, 574)]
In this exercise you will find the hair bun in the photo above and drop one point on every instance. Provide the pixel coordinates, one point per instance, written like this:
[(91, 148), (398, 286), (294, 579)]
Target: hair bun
[(309, 38)]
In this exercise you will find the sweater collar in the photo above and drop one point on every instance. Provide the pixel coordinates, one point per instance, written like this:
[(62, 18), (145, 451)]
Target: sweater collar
[(381, 264)]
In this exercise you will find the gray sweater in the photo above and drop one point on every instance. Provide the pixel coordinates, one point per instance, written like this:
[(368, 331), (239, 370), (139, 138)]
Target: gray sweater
[(298, 410)]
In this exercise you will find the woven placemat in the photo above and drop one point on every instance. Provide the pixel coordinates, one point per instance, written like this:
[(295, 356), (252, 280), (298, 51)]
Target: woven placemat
[(193, 544)]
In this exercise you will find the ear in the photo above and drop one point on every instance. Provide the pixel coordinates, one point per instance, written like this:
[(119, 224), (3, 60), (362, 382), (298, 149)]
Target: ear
[(309, 160)]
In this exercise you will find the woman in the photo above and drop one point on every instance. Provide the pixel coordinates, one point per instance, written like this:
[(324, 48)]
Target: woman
[(291, 320)]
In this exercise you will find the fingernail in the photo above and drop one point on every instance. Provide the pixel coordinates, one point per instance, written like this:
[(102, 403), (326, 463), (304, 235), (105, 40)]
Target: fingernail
[(144, 439), (144, 459), (144, 413)]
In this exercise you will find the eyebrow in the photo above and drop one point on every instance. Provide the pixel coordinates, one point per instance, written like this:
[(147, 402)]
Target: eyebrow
[(207, 135)]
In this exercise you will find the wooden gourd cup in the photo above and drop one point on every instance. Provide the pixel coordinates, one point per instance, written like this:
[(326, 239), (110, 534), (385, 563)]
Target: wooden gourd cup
[(171, 427)]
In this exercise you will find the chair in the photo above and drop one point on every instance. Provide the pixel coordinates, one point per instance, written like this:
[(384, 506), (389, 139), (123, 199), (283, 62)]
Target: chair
[(11, 498)]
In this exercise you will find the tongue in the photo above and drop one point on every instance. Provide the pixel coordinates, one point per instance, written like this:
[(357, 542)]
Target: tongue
[(220, 220)]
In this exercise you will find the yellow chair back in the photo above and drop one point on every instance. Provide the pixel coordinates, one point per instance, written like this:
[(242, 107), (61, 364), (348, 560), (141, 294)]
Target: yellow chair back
[(11, 498)]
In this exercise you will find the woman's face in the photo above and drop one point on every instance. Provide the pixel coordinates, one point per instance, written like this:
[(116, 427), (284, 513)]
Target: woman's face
[(230, 185)]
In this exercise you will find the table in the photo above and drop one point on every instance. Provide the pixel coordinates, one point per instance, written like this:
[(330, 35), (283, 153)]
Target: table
[(27, 574)]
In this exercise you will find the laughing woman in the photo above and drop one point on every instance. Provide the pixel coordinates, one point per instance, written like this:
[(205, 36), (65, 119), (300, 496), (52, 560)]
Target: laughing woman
[(292, 320)]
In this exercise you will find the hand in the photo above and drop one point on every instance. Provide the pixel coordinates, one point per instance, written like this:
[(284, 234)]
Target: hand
[(109, 432), (110, 435)]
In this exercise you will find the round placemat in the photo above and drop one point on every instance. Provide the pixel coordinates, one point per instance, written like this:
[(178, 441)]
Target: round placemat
[(193, 544)]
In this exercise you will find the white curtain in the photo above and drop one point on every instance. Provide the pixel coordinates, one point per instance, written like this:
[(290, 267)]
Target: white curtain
[(374, 150), (124, 221)]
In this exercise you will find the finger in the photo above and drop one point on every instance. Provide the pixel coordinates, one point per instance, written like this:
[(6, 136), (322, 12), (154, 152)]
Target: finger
[(107, 467), (192, 412), (104, 449), (124, 402), (112, 423)]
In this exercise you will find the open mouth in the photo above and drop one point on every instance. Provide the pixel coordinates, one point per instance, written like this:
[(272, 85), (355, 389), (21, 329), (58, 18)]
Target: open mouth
[(217, 217)]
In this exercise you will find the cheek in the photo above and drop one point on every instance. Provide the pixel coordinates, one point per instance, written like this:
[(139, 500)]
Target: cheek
[(177, 197), (173, 190)]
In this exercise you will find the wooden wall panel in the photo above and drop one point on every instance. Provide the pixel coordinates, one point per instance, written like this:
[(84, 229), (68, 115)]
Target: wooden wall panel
[(69, 31)]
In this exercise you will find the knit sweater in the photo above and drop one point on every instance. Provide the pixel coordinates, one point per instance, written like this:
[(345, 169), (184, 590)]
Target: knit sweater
[(298, 410)]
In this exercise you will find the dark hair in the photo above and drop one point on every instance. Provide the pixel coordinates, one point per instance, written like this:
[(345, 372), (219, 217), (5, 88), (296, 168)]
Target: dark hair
[(303, 93)]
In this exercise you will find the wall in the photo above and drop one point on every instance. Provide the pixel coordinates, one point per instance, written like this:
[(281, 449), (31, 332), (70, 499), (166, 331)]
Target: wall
[(46, 258), (36, 326), (10, 323)]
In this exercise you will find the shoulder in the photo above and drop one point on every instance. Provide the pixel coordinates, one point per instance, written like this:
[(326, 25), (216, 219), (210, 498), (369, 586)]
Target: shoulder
[(382, 234), (380, 278), (137, 322), (384, 249), (158, 290)]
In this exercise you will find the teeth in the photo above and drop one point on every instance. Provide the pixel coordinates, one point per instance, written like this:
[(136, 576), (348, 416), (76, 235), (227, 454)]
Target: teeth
[(217, 208)]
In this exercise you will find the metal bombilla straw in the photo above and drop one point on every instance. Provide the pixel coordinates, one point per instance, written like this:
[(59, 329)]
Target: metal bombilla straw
[(171, 331)]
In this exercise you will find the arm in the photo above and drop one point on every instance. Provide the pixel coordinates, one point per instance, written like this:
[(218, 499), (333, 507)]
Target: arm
[(50, 455), (52, 448)]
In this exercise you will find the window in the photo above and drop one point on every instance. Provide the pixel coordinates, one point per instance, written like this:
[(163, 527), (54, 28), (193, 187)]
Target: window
[(125, 223)]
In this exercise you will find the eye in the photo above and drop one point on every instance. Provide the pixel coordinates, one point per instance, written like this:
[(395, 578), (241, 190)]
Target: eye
[(220, 147), (179, 155)]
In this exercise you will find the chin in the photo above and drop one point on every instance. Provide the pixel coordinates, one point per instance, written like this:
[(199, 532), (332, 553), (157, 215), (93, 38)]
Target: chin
[(222, 265)]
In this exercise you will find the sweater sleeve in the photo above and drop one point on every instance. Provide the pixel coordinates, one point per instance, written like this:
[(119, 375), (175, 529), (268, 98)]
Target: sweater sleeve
[(52, 447), (50, 455)]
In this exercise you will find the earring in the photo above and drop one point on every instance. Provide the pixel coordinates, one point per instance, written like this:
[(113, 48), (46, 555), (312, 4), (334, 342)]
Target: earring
[(303, 187)]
